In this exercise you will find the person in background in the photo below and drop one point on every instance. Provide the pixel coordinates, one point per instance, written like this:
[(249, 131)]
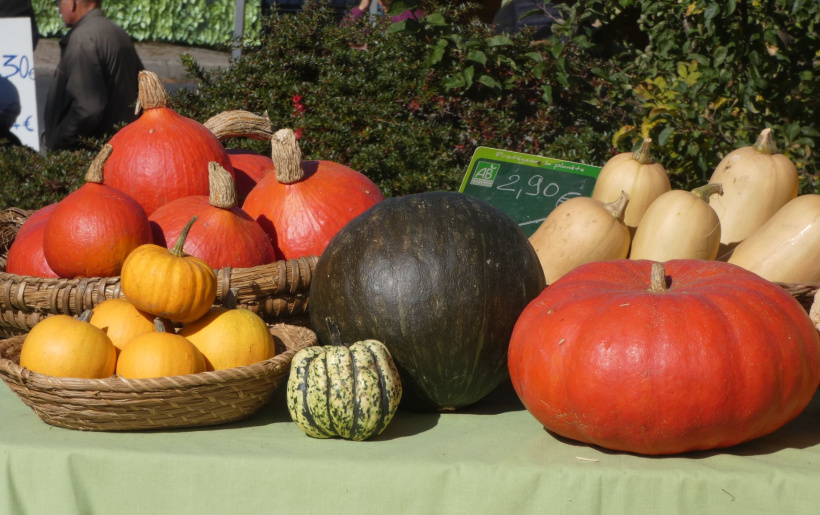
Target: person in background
[(95, 83), (9, 111), (364, 6), (21, 9)]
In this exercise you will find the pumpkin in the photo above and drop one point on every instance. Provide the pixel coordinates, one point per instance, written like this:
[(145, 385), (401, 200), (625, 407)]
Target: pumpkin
[(167, 283), (757, 182), (159, 353), (224, 236), (667, 358), (440, 278), (636, 173), (303, 204), (36, 218), (162, 155), (121, 321), (347, 391), (786, 247), (63, 346), (25, 255), (679, 225), (581, 230), (94, 228), (249, 167), (230, 337)]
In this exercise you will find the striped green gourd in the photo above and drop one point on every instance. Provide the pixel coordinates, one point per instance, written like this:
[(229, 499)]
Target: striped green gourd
[(352, 392)]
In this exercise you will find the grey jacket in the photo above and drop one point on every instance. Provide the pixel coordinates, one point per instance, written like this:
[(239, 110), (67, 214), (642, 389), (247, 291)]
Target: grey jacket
[(95, 84)]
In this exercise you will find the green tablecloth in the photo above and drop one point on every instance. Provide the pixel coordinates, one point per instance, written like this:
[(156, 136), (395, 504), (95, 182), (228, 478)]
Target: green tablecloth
[(492, 459)]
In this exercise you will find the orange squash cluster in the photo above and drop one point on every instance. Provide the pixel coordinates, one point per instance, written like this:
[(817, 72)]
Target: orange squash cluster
[(135, 336)]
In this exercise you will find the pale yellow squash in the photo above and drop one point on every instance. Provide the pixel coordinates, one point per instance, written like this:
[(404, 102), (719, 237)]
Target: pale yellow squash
[(679, 225), (757, 181), (636, 173), (579, 231), (786, 248)]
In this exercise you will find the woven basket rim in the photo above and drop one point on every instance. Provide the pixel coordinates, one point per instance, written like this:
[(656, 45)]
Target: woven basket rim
[(34, 380)]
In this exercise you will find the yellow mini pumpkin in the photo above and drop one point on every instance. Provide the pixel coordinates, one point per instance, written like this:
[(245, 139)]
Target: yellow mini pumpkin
[(121, 321), (159, 354), (167, 282), (63, 346), (230, 338)]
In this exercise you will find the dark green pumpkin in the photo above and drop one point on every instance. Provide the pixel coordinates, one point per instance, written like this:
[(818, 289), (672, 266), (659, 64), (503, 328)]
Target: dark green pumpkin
[(440, 278)]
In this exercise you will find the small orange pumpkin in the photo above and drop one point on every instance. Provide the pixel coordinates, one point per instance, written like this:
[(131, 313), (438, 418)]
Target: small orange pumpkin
[(159, 354), (121, 321), (167, 282), (63, 346)]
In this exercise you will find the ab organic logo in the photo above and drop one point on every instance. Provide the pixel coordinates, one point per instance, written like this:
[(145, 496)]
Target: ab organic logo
[(485, 174)]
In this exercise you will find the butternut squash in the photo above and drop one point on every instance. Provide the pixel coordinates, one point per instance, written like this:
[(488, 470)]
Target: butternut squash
[(757, 181), (679, 225), (580, 231), (786, 247)]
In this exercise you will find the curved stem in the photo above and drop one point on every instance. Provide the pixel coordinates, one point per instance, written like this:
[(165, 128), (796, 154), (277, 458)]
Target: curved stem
[(642, 155), (240, 124), (180, 243), (707, 190), (617, 207), (95, 170), (152, 93), (86, 315)]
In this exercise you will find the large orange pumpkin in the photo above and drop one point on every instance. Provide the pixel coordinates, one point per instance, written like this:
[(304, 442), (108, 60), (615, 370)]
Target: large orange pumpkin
[(94, 228), (162, 156), (303, 204), (224, 234), (661, 359)]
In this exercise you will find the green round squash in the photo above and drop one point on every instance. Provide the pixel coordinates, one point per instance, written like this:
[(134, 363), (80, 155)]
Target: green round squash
[(441, 279), (352, 392)]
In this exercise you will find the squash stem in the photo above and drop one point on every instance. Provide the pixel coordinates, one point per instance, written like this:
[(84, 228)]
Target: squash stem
[(643, 155), (765, 143), (223, 191), (657, 281), (240, 124), (617, 208), (707, 190), (151, 93), (286, 156), (95, 171), (177, 248), (86, 316)]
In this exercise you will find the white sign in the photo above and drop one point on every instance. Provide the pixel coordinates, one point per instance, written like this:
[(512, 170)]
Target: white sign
[(17, 66)]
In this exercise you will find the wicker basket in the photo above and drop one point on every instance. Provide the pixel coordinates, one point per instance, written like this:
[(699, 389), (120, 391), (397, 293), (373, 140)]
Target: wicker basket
[(276, 291), (117, 404)]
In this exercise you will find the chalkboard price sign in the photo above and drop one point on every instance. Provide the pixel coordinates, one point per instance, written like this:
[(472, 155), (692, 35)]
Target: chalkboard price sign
[(526, 187)]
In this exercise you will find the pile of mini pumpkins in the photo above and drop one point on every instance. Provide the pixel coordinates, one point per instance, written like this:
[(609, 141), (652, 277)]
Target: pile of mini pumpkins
[(162, 169), (135, 336)]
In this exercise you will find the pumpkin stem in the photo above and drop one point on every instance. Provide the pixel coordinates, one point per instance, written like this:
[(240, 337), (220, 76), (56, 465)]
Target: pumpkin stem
[(152, 93), (765, 143), (223, 191), (160, 325), (177, 248), (86, 316), (335, 334), (642, 155), (286, 156), (707, 190), (657, 281), (617, 207), (95, 171), (240, 124)]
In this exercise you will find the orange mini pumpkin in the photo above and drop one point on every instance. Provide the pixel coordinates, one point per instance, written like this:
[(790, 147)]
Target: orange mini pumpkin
[(167, 282), (159, 354), (121, 321)]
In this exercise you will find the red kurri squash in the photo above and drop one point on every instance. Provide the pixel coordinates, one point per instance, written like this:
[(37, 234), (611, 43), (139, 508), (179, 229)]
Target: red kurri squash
[(667, 358), (94, 228), (249, 167), (224, 235), (25, 256), (304, 203), (162, 156)]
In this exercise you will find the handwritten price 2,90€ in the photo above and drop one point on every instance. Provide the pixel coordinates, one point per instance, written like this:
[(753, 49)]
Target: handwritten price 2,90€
[(17, 65)]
